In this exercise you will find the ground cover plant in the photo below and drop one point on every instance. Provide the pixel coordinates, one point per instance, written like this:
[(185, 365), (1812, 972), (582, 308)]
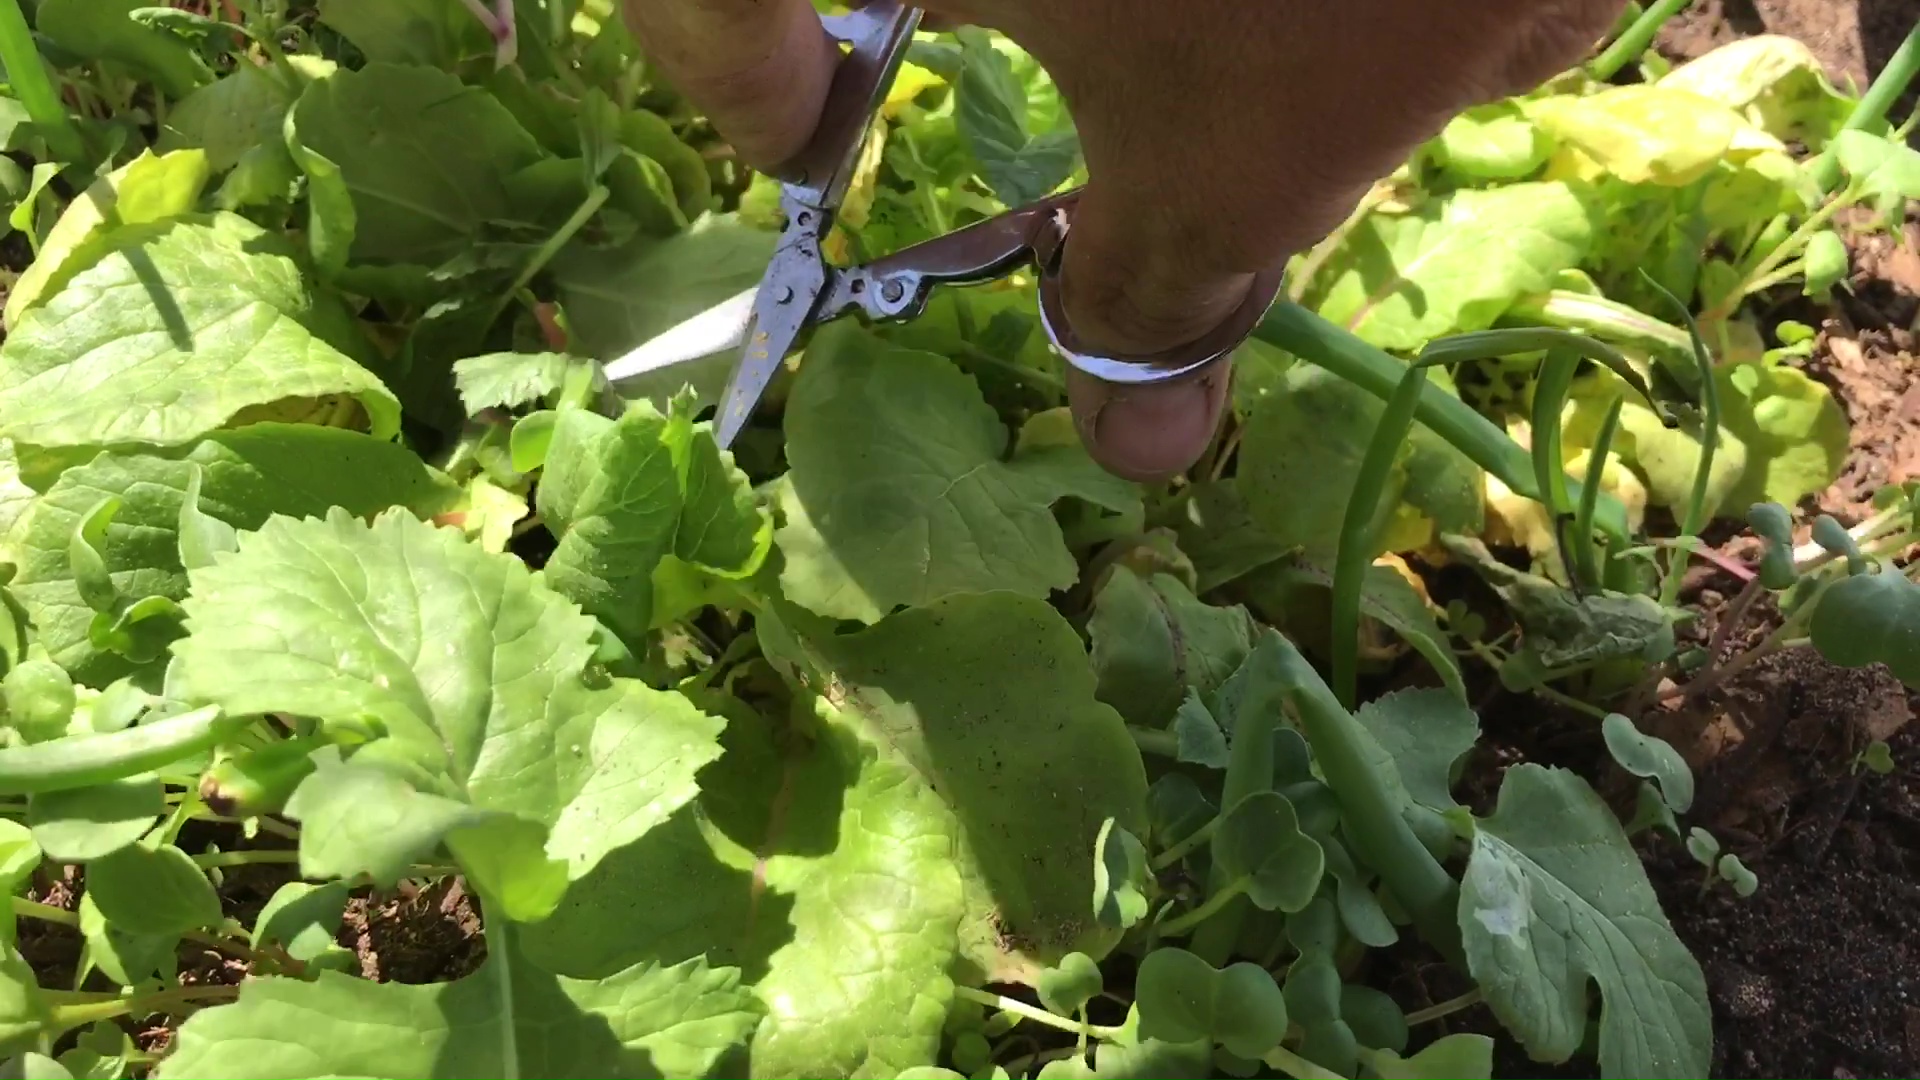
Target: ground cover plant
[(901, 740)]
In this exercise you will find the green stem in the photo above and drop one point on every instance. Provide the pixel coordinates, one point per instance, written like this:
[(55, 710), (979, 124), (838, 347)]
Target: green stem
[(1158, 743), (1695, 518), (69, 1012), (1293, 328), (1360, 527), (1446, 1008), (1028, 1012), (1872, 107), (33, 909), (1188, 843), (1629, 46), (551, 247), (1609, 320), (1296, 1066), (1541, 690), (1181, 924), (1376, 830), (1792, 246), (31, 84), (254, 857), (1550, 390), (1590, 567)]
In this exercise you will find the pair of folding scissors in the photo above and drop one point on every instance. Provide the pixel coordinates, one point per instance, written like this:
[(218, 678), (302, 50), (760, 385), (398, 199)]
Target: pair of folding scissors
[(801, 290)]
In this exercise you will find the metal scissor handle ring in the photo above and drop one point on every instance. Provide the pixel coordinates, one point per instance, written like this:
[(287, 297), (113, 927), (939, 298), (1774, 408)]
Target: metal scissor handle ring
[(1154, 368)]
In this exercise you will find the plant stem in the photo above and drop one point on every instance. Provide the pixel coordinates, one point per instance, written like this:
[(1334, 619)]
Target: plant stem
[(79, 1013), (252, 857), (1377, 831), (28, 77), (1180, 924), (1872, 107), (1629, 46), (1158, 743), (33, 909), (1445, 1008), (1313, 339), (1695, 517), (551, 247), (1028, 1012), (1189, 842), (1367, 505), (1793, 245), (1591, 567), (1296, 1066), (1542, 690)]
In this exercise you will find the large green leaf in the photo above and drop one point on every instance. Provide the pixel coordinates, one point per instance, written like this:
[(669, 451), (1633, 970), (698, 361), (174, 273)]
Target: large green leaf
[(1773, 80), (172, 335), (1649, 134), (473, 668), (902, 492), (246, 476), (822, 868), (1402, 280), (1870, 619), (150, 188), (1423, 733), (509, 1018), (991, 115), (425, 157), (1154, 642), (106, 30), (1301, 456), (1554, 896), (624, 495), (237, 123), (431, 33)]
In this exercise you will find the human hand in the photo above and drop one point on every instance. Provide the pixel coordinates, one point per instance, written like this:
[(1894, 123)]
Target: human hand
[(1221, 137)]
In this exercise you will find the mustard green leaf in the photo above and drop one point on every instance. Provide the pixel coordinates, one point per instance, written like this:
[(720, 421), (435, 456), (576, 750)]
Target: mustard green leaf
[(1154, 643), (80, 824), (425, 157), (1871, 618), (1648, 134), (1555, 897), (230, 118), (247, 475), (1424, 733), (149, 189), (1775, 81), (175, 334), (509, 1018), (152, 889), (1497, 141), (623, 495), (466, 661), (429, 33), (1881, 166), (901, 491), (106, 30), (1454, 265)]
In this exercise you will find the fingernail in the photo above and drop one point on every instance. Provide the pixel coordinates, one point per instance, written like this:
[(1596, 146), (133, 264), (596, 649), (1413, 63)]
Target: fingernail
[(1148, 434)]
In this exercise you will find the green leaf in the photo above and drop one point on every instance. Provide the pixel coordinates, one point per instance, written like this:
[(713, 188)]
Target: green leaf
[(32, 1066), (145, 191), (84, 824), (1554, 896), (430, 33), (1870, 618), (1651, 757), (1260, 840), (1826, 262), (1027, 856), (1424, 733), (39, 698), (835, 891), (1702, 846), (246, 476), (1493, 142), (1773, 80), (990, 113), (425, 157), (1881, 166), (470, 664), (1198, 738), (1461, 1056), (301, 918), (105, 30), (1274, 593), (1182, 998), (1067, 987), (1454, 265), (1560, 628), (1155, 644), (1648, 134), (19, 855), (235, 119), (624, 495), (508, 380), (370, 821), (619, 298), (1735, 873), (1120, 877), (155, 891), (1301, 456), (24, 1015), (125, 957), (509, 1018), (901, 492), (174, 334)]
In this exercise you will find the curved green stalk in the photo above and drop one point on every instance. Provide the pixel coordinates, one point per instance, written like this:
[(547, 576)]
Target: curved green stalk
[(1359, 528), (1375, 828), (1632, 43), (1313, 339), (1592, 566), (1550, 393), (1695, 518), (31, 85), (1872, 107), (1609, 320), (1486, 344)]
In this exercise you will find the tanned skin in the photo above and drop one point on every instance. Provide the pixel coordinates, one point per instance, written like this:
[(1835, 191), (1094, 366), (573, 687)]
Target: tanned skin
[(1221, 137)]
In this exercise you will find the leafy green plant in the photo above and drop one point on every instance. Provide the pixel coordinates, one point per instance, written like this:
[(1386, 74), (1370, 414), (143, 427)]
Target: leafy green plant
[(900, 740)]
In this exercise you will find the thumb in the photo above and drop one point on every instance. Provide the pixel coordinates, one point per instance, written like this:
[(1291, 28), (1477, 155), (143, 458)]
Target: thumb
[(759, 69)]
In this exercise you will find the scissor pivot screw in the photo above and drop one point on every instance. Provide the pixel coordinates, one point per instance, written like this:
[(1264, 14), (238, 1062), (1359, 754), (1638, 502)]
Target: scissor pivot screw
[(892, 292), (785, 295)]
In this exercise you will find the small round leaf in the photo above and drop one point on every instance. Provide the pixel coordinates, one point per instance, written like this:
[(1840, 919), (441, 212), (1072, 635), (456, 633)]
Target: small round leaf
[(1261, 841), (1649, 757), (1067, 988), (1182, 998)]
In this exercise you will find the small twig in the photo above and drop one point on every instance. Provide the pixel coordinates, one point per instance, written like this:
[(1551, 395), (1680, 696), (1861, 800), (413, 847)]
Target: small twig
[(1038, 1015)]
